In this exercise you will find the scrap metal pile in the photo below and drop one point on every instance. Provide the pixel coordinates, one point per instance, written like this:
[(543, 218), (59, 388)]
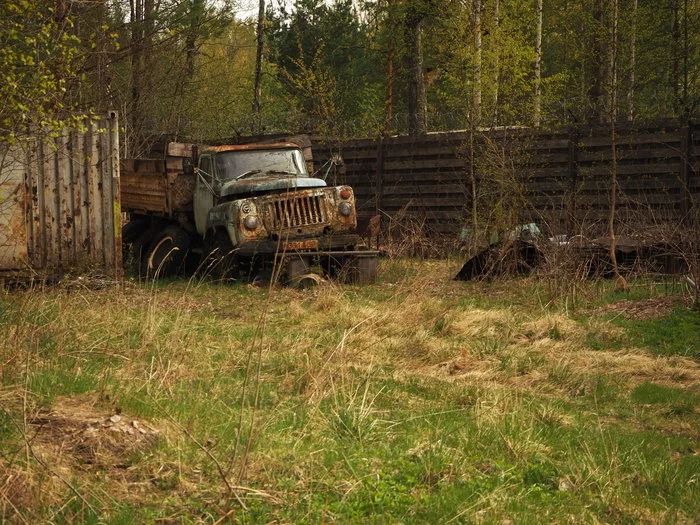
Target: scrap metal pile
[(525, 249)]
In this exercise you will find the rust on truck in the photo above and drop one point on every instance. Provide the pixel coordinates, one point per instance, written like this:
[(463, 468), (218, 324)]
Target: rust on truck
[(156, 186), (60, 202)]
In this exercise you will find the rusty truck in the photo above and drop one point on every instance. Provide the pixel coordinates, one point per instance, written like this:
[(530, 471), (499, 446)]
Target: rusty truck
[(248, 211)]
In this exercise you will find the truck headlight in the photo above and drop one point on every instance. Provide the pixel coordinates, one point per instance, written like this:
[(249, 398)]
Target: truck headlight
[(345, 209), (251, 222)]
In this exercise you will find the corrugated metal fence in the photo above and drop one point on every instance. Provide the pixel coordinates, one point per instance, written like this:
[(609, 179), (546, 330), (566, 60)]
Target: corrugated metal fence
[(561, 177), (59, 203)]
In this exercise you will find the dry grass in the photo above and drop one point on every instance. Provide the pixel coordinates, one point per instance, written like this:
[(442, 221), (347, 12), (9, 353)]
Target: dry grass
[(233, 398)]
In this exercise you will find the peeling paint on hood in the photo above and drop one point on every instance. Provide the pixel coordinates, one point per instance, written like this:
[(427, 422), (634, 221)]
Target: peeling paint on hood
[(266, 184)]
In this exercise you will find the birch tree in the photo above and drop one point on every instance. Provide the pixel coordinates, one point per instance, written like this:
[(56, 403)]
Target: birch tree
[(538, 66)]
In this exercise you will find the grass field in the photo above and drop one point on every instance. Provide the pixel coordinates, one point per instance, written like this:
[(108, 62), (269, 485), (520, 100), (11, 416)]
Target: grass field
[(414, 400)]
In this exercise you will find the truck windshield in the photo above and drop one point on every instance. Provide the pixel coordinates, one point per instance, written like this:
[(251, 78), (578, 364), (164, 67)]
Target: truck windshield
[(231, 165)]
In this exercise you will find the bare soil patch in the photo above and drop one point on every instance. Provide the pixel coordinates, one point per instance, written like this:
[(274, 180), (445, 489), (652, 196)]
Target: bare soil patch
[(78, 430), (643, 309)]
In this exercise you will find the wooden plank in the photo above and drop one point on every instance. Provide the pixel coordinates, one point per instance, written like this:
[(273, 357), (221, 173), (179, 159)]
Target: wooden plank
[(66, 250), (78, 168), (34, 218), (48, 206), (656, 154), (544, 159), (558, 187), (454, 177), (551, 202), (423, 164), (105, 191), (413, 213), (650, 199), (360, 167), (548, 164), (637, 139), (437, 151), (554, 172), (629, 169), (179, 149), (547, 144), (426, 201), (412, 189)]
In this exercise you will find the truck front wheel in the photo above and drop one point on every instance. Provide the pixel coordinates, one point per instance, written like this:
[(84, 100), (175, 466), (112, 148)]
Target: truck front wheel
[(220, 259), (166, 252)]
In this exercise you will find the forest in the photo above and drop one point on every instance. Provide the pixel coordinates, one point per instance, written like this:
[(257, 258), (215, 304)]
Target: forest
[(200, 70)]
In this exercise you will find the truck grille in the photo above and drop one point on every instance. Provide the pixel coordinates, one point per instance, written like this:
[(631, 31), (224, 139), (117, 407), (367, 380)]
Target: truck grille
[(298, 211)]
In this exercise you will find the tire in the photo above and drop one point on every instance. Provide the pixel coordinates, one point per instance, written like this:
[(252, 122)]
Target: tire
[(133, 229), (165, 253), (133, 253), (135, 235), (219, 258)]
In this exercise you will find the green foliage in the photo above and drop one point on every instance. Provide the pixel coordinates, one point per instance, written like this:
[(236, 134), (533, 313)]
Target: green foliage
[(328, 69), (39, 57)]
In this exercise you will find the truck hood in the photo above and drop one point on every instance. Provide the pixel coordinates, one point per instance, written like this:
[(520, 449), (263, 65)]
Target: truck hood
[(265, 184)]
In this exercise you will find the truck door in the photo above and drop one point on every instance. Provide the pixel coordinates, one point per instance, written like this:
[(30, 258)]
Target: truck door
[(204, 193)]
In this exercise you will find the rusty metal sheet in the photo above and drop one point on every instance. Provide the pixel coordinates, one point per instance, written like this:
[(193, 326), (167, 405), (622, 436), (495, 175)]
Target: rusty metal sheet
[(179, 149), (60, 204), (13, 195), (161, 192)]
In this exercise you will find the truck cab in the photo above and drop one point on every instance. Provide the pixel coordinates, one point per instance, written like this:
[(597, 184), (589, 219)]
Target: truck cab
[(263, 197)]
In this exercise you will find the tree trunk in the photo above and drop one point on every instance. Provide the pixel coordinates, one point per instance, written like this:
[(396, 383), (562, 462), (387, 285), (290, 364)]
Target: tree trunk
[(476, 102), (141, 115), (676, 35), (134, 117), (597, 68), (538, 66), (417, 110), (633, 61), (257, 88), (686, 102), (389, 95), (612, 63), (497, 58), (613, 145), (195, 15)]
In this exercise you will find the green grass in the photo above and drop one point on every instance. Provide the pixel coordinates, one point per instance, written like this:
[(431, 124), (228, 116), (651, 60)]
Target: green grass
[(675, 334), (417, 399), (678, 401)]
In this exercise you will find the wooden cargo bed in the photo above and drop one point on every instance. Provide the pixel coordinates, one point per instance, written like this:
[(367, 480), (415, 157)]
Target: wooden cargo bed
[(155, 186)]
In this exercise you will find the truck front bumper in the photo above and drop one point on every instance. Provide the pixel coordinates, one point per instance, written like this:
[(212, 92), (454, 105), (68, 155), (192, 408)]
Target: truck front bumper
[(340, 243)]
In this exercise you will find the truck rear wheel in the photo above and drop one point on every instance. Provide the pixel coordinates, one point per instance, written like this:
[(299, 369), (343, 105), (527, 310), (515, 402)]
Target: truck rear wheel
[(133, 229), (166, 252), (135, 236), (134, 251)]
